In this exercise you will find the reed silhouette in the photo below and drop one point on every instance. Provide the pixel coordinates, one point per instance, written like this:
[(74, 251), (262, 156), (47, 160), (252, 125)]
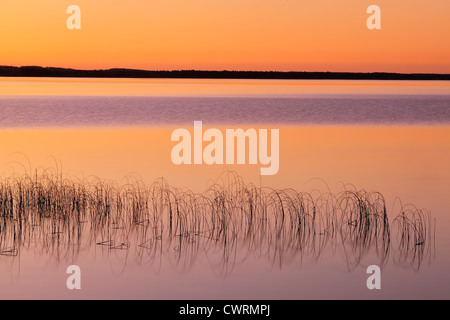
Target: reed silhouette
[(230, 221)]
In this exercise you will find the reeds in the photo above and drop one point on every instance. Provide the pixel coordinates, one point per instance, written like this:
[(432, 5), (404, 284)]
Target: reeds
[(230, 220)]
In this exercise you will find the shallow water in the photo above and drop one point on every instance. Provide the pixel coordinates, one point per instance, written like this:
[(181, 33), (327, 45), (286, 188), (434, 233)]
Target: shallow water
[(397, 145)]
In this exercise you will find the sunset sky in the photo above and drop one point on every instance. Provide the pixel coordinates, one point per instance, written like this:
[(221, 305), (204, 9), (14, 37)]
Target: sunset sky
[(321, 35)]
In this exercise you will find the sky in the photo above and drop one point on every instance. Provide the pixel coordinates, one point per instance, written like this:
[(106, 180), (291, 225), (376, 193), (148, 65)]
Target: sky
[(283, 35)]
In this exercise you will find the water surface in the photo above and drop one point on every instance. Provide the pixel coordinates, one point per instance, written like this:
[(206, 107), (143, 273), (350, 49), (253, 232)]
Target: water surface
[(386, 137), (321, 109)]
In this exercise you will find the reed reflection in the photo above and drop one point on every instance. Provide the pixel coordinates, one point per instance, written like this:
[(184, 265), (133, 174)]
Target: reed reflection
[(229, 222)]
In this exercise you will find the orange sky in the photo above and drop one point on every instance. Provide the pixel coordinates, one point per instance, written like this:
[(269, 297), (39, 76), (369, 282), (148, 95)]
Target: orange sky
[(322, 35)]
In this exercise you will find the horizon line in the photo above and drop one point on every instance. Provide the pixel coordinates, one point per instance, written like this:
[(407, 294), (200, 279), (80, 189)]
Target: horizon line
[(40, 71)]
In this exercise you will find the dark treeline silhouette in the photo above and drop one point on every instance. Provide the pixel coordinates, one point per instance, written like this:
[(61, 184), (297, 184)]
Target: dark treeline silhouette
[(36, 71)]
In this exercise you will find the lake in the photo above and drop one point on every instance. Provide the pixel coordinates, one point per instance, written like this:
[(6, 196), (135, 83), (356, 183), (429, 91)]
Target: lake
[(87, 179)]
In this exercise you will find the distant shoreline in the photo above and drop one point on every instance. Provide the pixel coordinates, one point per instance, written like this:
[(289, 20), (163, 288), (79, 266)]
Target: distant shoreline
[(35, 71)]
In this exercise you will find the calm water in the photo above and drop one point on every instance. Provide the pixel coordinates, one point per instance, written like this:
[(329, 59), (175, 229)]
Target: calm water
[(155, 111), (294, 235)]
